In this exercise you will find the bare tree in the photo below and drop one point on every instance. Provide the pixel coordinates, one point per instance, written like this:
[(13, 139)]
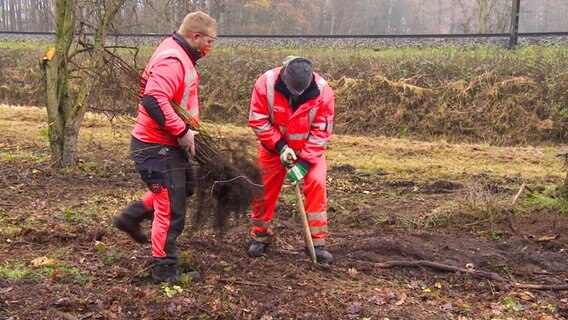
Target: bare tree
[(3, 8), (307, 16), (218, 10), (12, 14), (484, 16), (67, 95)]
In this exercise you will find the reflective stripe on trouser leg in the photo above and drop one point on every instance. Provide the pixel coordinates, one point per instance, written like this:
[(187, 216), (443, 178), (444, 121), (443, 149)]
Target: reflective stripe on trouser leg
[(273, 173), (315, 192), (169, 211)]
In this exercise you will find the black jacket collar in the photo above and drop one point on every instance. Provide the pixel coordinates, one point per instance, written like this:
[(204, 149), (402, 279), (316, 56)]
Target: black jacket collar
[(311, 92), (193, 54)]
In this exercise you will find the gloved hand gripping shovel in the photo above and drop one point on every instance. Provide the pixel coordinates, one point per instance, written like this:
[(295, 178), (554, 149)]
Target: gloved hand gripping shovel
[(304, 218)]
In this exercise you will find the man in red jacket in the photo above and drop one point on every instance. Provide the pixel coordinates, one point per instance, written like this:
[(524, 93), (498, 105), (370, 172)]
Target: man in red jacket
[(162, 142), (291, 113)]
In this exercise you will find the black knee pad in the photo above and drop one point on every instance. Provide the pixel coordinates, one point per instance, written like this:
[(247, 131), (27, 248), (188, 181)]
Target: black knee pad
[(154, 180)]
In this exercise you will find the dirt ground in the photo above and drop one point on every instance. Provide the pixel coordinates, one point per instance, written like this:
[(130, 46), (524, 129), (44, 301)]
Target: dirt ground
[(61, 259)]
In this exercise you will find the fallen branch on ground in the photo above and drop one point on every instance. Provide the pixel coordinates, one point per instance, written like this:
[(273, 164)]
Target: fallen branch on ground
[(246, 283), (471, 271)]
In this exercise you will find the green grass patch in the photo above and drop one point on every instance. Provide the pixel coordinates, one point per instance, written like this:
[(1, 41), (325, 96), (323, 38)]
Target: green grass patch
[(512, 303), (22, 155), (546, 199), (11, 230), (25, 45), (91, 167), (12, 273), (71, 216), (52, 269)]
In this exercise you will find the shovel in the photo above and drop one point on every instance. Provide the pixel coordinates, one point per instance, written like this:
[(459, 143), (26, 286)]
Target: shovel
[(304, 217)]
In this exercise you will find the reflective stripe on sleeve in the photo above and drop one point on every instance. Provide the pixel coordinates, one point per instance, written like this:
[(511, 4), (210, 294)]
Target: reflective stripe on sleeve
[(298, 136), (189, 78), (321, 83), (312, 115), (319, 125), (324, 126), (270, 76), (193, 112), (257, 116), (265, 127), (317, 141)]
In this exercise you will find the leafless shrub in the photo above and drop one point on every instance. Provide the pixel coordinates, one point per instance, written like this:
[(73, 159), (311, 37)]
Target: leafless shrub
[(483, 205)]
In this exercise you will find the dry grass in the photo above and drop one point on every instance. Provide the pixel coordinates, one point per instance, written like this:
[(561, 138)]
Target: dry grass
[(403, 158)]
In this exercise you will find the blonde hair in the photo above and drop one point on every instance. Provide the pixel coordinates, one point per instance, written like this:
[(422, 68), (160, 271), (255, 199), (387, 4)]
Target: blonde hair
[(197, 21)]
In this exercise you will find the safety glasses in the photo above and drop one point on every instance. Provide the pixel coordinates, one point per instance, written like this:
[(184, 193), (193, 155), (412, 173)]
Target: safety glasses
[(208, 39)]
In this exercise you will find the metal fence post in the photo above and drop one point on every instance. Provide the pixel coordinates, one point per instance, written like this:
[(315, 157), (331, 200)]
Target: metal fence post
[(514, 24)]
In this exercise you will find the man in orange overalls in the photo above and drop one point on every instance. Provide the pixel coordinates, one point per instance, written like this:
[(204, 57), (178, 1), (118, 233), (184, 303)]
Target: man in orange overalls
[(291, 113)]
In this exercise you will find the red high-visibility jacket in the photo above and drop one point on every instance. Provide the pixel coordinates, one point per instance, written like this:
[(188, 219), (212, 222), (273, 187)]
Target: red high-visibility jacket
[(306, 130), (169, 76)]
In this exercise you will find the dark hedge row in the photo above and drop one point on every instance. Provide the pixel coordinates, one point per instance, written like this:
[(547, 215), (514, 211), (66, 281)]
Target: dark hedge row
[(485, 95)]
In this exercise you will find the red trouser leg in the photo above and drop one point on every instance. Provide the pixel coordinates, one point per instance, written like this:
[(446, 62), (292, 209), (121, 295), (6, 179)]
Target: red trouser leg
[(169, 212), (273, 173), (167, 222), (161, 223), (314, 190), (316, 201)]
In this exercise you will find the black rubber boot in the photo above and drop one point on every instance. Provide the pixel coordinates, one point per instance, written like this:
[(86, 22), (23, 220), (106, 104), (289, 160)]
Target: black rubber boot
[(323, 256), (130, 218), (135, 209), (256, 249), (166, 273), (172, 275)]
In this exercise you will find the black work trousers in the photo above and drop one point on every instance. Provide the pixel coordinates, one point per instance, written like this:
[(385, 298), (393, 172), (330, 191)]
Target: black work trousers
[(170, 177)]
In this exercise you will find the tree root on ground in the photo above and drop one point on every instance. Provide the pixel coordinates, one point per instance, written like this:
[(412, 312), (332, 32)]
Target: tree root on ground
[(471, 271)]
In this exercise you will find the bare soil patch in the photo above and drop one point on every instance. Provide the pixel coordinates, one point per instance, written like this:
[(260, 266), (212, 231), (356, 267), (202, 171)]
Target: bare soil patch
[(88, 284)]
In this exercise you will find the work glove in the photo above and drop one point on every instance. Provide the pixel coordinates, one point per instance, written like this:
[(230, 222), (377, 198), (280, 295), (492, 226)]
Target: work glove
[(287, 157), (187, 141), (296, 174)]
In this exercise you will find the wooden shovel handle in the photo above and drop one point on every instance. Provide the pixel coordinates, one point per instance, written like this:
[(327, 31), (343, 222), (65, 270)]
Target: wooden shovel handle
[(307, 233)]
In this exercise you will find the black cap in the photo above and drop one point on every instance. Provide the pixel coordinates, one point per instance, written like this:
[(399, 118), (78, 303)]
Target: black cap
[(297, 74)]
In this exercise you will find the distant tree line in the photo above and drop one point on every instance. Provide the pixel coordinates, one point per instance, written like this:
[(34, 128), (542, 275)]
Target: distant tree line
[(303, 17)]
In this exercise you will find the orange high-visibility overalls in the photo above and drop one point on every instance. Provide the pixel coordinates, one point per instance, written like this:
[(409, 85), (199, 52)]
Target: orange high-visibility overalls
[(306, 130)]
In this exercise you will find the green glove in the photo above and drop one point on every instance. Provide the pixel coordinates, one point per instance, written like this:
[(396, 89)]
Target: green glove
[(296, 174)]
